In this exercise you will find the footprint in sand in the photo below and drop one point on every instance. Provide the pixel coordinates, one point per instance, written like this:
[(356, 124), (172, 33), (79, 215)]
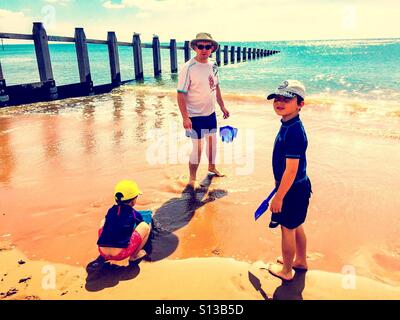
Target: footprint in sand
[(314, 256), (175, 184)]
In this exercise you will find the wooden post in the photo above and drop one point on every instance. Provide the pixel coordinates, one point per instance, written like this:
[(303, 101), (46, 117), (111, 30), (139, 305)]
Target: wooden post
[(3, 95), (232, 54), (173, 56), (42, 52), (244, 54), (114, 59), (83, 59), (137, 56), (249, 54), (43, 59), (187, 50), (239, 54), (254, 53), (218, 55), (258, 53), (156, 56), (225, 54)]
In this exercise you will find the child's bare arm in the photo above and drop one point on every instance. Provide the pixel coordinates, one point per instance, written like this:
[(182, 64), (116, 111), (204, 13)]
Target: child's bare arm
[(287, 180)]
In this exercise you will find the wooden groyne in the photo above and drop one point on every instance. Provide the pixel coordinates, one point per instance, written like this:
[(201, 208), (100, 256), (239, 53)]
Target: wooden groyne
[(47, 90)]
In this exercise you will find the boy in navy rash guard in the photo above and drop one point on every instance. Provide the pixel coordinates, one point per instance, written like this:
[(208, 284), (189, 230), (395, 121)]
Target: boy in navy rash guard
[(290, 203)]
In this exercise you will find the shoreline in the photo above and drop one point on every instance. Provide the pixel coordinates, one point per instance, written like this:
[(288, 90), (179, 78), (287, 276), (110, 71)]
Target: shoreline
[(199, 278)]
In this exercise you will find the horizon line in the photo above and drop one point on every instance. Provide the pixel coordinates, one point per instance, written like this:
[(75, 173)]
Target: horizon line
[(225, 41)]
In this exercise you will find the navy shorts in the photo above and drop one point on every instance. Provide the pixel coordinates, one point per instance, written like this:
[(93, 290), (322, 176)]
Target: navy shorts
[(295, 205), (202, 125)]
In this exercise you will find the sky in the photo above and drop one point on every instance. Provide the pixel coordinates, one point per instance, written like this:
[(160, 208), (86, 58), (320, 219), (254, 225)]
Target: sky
[(226, 20)]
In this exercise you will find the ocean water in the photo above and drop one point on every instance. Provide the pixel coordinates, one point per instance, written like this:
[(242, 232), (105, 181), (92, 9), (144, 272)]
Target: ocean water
[(355, 76), (353, 67)]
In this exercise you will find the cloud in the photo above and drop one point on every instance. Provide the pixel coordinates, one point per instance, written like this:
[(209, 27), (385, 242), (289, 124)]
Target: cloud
[(111, 5), (14, 22), (234, 20), (60, 2)]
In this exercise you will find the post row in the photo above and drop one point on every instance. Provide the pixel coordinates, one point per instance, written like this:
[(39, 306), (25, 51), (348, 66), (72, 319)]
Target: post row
[(40, 39)]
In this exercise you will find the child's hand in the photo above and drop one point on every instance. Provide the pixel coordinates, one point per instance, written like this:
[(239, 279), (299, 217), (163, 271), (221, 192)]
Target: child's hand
[(226, 112), (276, 204)]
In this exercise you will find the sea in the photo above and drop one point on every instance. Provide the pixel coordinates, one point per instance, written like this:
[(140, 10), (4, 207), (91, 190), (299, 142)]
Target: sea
[(352, 76)]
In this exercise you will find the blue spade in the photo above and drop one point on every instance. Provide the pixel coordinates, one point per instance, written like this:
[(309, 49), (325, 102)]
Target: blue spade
[(264, 205), (228, 133)]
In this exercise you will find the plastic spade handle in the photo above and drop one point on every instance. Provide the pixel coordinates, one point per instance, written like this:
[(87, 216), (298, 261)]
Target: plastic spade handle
[(264, 205)]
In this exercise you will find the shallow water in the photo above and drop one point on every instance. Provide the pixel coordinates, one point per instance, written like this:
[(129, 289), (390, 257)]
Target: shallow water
[(60, 161)]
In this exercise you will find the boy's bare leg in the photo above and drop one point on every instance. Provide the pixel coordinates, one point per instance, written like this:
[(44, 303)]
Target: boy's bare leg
[(211, 151), (195, 160), (301, 249), (300, 260), (288, 252)]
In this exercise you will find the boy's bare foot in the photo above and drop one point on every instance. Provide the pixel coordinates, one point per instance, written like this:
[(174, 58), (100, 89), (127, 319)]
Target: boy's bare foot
[(138, 256), (296, 265), (215, 171), (276, 271)]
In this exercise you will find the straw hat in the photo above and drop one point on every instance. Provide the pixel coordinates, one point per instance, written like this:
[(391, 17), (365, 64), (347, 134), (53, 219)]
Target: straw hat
[(203, 36)]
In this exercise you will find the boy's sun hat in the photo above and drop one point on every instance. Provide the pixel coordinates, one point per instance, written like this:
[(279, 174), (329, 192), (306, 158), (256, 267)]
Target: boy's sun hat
[(203, 36), (126, 190), (289, 88)]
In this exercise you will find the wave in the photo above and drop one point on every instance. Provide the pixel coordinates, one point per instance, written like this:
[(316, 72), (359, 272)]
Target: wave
[(381, 102), (345, 43), (374, 113), (17, 59)]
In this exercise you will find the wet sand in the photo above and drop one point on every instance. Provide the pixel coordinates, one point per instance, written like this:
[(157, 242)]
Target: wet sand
[(60, 161), (198, 278)]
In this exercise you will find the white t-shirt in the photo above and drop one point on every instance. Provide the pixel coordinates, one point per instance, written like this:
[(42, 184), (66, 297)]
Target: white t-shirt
[(199, 82)]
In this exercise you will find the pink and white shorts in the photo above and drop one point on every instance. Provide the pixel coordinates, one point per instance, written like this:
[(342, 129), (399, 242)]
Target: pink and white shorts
[(134, 243)]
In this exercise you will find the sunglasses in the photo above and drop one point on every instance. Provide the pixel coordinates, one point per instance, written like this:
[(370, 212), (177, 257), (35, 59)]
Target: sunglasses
[(202, 46)]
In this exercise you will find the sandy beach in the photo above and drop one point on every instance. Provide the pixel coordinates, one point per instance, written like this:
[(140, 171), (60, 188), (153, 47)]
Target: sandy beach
[(198, 278), (60, 161)]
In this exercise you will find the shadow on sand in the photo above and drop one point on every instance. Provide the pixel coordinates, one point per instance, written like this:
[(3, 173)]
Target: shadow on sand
[(101, 275), (292, 290), (175, 214), (288, 290)]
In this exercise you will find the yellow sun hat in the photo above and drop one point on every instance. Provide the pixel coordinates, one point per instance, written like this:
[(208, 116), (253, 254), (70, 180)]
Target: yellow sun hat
[(126, 190)]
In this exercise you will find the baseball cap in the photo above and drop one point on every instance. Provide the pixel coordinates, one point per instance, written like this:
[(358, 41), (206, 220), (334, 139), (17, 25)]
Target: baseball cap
[(289, 88)]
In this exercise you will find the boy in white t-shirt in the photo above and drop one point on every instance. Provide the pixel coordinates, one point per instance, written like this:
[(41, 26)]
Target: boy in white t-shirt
[(198, 91)]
